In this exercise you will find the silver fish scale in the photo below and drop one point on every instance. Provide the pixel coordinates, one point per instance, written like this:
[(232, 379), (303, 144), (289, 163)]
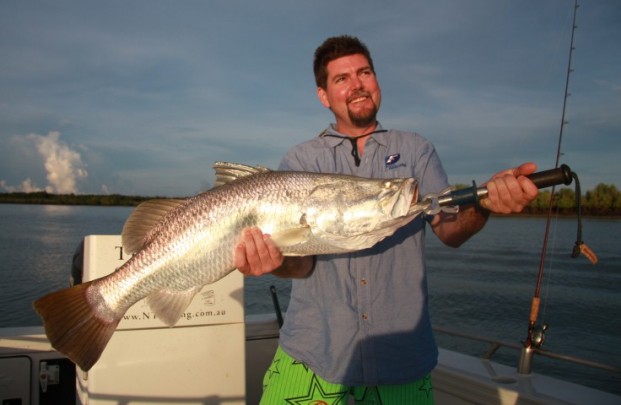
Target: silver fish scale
[(180, 245), (196, 242)]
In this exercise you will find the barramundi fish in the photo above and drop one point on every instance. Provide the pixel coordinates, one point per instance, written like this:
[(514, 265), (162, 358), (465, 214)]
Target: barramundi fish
[(180, 245)]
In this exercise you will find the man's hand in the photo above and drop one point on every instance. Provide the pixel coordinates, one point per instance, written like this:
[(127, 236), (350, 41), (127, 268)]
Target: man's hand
[(509, 191), (256, 254)]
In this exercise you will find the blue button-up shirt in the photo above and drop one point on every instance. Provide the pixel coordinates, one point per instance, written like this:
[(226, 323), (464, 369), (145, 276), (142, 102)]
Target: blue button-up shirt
[(362, 318)]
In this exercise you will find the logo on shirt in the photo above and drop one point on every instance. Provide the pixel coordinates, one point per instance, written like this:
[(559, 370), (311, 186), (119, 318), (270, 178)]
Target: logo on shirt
[(391, 161)]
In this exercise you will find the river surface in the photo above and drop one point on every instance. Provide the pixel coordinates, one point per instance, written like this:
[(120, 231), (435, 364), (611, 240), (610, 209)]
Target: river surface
[(483, 288)]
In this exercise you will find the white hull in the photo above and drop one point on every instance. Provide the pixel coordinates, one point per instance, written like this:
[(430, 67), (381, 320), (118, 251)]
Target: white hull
[(216, 355), (458, 379)]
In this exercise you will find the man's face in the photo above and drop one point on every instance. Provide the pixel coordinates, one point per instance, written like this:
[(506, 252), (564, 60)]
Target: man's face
[(352, 93)]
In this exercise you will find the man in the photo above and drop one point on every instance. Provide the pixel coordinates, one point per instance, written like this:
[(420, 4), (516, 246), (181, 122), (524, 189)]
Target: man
[(358, 324)]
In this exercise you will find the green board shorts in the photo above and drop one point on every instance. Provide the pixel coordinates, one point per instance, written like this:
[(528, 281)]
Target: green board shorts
[(288, 381)]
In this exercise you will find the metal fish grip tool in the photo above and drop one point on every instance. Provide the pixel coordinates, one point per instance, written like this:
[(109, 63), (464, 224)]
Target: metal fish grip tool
[(449, 200)]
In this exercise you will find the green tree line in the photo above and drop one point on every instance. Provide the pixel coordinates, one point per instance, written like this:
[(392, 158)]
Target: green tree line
[(603, 200), (42, 197)]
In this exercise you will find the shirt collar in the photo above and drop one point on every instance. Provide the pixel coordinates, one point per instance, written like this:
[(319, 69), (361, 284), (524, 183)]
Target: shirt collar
[(379, 134)]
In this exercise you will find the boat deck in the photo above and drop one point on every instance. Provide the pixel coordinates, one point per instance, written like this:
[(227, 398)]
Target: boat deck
[(458, 379)]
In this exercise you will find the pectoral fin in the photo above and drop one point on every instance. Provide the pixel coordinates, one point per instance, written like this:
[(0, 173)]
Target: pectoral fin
[(291, 237), (353, 243), (169, 305)]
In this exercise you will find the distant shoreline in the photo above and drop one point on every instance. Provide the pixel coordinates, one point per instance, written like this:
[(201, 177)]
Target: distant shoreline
[(118, 200), (43, 198)]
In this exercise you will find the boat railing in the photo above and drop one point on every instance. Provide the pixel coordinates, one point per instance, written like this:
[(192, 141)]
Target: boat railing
[(525, 359), (493, 345)]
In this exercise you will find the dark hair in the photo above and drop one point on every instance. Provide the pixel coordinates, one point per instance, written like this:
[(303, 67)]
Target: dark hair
[(334, 48)]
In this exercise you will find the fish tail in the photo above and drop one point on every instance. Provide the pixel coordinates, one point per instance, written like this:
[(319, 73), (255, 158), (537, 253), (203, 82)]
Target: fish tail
[(72, 326)]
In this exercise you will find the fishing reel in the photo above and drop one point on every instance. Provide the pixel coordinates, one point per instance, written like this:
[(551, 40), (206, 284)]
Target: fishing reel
[(537, 335)]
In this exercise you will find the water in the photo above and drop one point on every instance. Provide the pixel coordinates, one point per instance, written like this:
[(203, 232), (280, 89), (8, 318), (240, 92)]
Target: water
[(483, 288)]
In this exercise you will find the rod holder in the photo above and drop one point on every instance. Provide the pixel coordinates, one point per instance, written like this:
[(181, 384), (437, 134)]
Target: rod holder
[(525, 365)]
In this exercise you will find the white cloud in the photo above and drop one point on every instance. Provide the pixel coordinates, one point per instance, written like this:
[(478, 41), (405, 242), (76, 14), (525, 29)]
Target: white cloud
[(63, 165), (27, 186), (158, 92)]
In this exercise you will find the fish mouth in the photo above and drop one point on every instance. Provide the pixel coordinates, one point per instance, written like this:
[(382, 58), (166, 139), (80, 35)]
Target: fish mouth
[(404, 198), (413, 191)]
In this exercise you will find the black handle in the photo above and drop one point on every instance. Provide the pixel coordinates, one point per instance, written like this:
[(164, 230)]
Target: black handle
[(552, 177), (543, 179)]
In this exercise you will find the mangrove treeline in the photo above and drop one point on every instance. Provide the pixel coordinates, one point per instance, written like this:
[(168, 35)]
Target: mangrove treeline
[(603, 200), (42, 197)]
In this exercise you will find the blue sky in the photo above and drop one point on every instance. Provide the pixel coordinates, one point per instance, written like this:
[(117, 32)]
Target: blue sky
[(141, 97)]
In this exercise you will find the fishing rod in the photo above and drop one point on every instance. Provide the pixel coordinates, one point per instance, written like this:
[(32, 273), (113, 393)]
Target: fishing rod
[(536, 333)]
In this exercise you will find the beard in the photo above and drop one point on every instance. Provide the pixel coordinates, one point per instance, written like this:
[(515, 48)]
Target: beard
[(363, 118)]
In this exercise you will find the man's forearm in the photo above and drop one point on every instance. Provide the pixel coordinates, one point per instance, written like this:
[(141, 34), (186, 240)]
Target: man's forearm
[(455, 229), (296, 267)]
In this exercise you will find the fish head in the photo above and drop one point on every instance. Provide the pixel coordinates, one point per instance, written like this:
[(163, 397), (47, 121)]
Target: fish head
[(397, 196), (360, 211)]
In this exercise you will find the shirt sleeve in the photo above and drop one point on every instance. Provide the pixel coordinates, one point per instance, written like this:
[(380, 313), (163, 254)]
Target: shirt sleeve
[(300, 157)]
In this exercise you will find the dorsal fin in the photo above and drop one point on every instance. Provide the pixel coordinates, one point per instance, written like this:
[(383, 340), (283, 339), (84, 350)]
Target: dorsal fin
[(227, 172), (138, 229)]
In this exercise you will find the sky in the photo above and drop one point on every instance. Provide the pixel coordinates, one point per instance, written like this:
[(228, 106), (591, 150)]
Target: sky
[(142, 97)]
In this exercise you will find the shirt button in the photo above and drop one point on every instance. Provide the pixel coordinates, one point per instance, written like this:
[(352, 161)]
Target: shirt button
[(365, 316), (363, 281)]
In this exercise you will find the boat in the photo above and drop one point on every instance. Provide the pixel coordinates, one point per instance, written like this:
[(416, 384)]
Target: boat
[(218, 355), (32, 372)]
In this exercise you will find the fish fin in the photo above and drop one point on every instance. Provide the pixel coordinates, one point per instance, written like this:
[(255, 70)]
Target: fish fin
[(169, 305), (291, 237), (140, 227), (354, 243), (72, 325), (227, 172)]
